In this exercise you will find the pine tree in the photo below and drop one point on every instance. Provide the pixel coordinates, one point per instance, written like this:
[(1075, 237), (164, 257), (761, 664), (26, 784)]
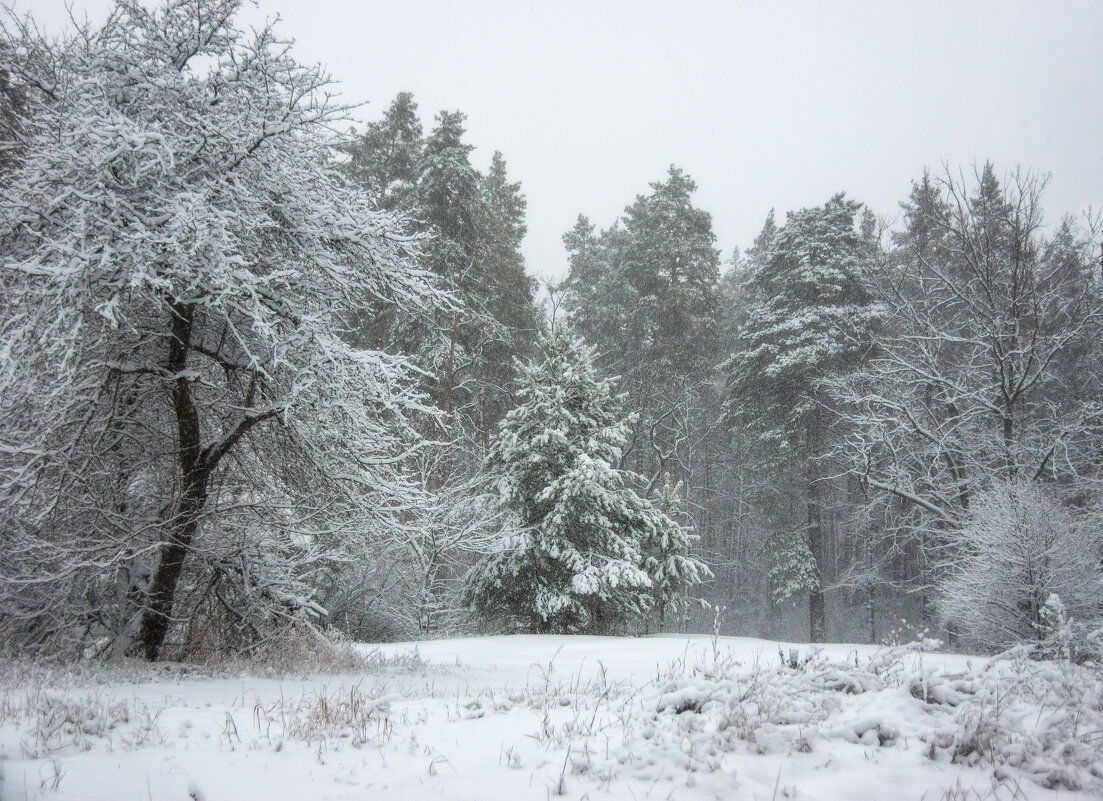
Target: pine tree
[(386, 158), (669, 260), (574, 557), (646, 293), (648, 287), (507, 296), (476, 226), (597, 299), (451, 203), (473, 226), (812, 317)]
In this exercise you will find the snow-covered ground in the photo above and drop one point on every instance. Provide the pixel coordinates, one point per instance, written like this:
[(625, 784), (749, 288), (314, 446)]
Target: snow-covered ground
[(526, 717)]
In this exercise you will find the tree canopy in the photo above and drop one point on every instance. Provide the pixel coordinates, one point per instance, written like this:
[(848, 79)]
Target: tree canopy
[(179, 388)]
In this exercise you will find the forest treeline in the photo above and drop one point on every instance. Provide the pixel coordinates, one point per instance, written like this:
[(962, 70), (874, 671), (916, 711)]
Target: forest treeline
[(258, 375)]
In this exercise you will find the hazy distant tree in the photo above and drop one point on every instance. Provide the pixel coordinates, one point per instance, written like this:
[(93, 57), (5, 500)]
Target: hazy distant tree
[(645, 293), (669, 260), (737, 287), (598, 299), (385, 159), (507, 296)]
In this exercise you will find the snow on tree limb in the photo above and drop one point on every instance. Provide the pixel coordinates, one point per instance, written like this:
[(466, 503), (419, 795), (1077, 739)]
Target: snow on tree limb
[(179, 262)]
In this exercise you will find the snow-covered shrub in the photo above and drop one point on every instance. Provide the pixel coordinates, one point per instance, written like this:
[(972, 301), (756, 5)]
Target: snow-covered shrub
[(302, 649), (572, 556), (1034, 720), (1020, 548)]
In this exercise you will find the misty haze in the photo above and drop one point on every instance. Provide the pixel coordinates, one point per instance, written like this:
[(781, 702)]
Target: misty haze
[(592, 400)]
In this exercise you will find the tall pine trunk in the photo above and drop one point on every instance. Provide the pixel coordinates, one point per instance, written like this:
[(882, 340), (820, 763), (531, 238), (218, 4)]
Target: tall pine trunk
[(817, 612)]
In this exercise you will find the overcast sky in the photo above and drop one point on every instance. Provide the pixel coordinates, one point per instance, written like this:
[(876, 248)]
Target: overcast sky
[(767, 105)]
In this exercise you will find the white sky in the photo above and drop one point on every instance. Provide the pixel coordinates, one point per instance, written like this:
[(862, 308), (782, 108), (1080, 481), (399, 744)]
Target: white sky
[(765, 104)]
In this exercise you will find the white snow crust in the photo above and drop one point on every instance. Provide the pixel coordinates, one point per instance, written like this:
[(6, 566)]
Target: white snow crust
[(539, 717)]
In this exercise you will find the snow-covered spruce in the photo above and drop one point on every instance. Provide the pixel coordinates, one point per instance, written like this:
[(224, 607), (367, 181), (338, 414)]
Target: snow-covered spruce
[(582, 550), (185, 429)]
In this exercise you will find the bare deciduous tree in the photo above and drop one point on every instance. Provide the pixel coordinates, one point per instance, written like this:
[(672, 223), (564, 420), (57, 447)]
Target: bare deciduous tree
[(984, 369), (180, 407)]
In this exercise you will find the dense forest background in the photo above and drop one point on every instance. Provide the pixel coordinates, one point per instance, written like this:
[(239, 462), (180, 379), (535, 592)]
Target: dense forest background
[(261, 375)]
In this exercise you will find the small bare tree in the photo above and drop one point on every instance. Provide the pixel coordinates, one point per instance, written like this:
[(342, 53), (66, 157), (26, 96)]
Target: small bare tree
[(1020, 548)]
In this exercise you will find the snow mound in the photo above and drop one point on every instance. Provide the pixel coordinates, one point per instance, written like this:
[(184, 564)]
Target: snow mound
[(1040, 721)]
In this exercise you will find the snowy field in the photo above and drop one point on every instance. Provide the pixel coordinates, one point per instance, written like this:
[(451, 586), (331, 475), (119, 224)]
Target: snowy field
[(527, 717)]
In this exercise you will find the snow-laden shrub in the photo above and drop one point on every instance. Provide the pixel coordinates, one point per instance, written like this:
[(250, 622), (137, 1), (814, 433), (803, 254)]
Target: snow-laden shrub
[(1022, 719), (1027, 719), (1029, 566)]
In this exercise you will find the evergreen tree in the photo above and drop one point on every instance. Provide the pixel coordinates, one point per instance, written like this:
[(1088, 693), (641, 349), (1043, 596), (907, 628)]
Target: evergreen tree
[(476, 227), (473, 227), (811, 317), (574, 557), (669, 261), (648, 287), (386, 159), (507, 296), (450, 202), (646, 293), (666, 558), (597, 298)]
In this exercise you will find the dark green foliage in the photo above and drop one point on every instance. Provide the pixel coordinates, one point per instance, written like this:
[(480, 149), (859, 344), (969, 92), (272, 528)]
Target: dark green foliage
[(810, 316), (474, 226), (386, 159), (645, 292)]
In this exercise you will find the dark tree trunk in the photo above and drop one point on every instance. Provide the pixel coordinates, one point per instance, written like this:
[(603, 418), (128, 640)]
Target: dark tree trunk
[(871, 595), (196, 464), (194, 477), (155, 622), (817, 612)]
